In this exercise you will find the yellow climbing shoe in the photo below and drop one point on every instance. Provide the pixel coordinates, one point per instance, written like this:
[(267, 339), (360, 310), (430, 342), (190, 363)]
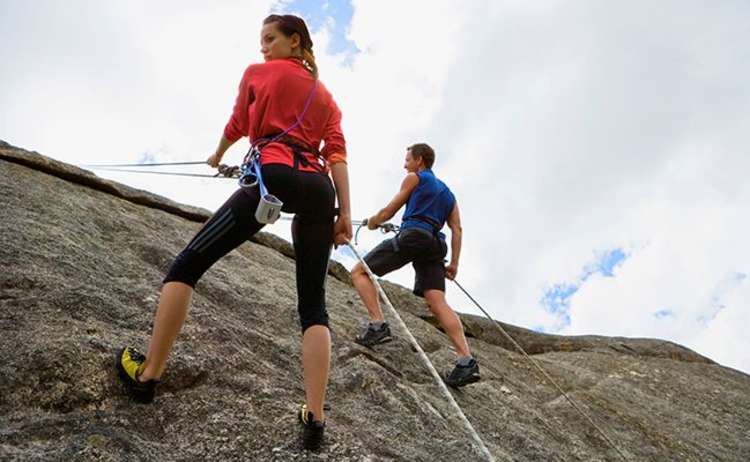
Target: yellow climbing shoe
[(313, 430), (129, 364)]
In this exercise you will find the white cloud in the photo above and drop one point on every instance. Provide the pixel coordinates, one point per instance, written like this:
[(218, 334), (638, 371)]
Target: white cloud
[(97, 82)]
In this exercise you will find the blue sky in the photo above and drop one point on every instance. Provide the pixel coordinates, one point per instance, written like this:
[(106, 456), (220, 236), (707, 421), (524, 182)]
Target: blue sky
[(335, 15), (557, 298)]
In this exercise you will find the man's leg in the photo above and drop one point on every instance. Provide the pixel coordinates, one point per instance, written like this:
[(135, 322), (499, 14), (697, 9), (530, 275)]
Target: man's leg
[(367, 292), (386, 257), (377, 331), (430, 283), (449, 320)]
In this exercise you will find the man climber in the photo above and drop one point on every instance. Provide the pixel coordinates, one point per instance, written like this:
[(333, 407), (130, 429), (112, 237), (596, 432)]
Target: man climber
[(429, 205)]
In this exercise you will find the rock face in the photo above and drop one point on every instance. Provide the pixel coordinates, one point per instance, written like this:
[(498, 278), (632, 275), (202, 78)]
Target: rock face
[(82, 260)]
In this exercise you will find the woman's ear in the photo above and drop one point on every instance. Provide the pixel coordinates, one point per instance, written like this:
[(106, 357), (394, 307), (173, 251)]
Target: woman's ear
[(296, 40)]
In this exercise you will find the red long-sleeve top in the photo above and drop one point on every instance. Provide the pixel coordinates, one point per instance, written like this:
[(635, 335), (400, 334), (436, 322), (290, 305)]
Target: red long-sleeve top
[(271, 96)]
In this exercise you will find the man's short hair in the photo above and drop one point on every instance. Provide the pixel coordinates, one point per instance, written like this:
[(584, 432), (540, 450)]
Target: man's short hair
[(422, 151)]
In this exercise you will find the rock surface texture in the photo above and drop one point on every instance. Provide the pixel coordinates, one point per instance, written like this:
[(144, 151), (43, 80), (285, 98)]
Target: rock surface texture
[(82, 261)]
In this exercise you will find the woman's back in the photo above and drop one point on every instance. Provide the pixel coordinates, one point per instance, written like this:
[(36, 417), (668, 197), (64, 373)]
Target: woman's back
[(271, 97)]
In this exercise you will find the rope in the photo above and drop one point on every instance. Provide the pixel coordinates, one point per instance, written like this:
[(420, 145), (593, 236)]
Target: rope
[(544, 373), (224, 171), (201, 162), (508, 336), (199, 175), (354, 222), (426, 360)]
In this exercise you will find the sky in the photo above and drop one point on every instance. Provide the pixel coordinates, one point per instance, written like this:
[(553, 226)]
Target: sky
[(598, 150)]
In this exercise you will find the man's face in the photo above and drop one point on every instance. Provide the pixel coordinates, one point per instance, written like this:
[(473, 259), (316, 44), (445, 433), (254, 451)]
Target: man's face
[(410, 164)]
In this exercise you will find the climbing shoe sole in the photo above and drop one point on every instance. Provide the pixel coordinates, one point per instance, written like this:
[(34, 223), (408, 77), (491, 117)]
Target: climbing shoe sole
[(312, 430), (372, 337), (142, 392)]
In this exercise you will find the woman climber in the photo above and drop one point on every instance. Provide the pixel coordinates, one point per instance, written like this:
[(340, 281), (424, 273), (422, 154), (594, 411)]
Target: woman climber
[(287, 113)]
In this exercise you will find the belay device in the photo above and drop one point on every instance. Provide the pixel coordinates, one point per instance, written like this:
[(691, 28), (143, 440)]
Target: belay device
[(269, 207)]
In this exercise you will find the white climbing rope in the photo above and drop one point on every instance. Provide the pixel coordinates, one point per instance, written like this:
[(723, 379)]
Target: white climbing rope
[(545, 374), (426, 360)]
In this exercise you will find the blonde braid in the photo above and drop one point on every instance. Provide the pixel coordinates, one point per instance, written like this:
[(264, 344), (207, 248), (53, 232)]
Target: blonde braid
[(308, 59)]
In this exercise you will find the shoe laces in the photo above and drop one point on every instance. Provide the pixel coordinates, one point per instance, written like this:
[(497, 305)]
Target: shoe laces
[(136, 355)]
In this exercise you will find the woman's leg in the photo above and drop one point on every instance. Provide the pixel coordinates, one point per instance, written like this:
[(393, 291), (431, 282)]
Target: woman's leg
[(170, 316), (312, 246), (229, 227), (312, 234), (316, 362)]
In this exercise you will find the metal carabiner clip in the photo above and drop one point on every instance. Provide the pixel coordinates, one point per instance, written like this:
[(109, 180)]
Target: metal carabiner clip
[(248, 175), (248, 179)]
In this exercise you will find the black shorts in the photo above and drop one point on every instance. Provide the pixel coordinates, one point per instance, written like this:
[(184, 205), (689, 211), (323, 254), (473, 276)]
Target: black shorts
[(425, 251)]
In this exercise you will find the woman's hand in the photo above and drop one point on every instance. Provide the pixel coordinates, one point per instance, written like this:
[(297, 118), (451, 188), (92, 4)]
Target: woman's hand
[(342, 230), (214, 160)]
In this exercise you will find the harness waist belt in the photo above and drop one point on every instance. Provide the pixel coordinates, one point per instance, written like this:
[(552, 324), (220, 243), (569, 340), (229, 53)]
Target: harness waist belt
[(433, 223), (419, 230), (298, 147)]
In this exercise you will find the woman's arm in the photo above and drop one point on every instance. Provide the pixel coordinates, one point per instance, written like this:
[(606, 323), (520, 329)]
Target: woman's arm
[(342, 229), (237, 126), (215, 158)]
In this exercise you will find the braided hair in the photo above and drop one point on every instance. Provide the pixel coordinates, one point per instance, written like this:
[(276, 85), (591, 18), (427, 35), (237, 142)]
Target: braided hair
[(289, 25)]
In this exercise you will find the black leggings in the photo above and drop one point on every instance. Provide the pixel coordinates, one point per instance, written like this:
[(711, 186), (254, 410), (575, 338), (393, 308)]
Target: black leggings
[(310, 196)]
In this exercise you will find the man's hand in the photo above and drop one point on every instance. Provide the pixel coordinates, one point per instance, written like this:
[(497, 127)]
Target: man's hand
[(372, 222), (342, 230), (214, 160), (451, 271)]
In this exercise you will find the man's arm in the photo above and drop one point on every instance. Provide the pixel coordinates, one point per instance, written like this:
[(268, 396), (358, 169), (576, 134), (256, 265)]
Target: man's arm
[(454, 223), (407, 186)]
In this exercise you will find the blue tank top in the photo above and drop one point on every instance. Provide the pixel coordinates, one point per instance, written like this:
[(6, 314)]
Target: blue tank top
[(429, 205)]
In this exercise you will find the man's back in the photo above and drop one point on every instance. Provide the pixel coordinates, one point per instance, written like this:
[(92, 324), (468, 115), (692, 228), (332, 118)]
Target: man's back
[(429, 205)]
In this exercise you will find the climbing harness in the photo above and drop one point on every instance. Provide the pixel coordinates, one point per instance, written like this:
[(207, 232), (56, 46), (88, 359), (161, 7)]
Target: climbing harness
[(483, 449), (269, 207)]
